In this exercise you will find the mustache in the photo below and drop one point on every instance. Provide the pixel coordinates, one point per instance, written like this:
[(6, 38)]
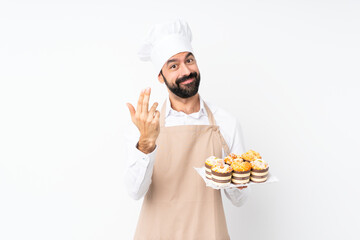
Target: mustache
[(183, 79)]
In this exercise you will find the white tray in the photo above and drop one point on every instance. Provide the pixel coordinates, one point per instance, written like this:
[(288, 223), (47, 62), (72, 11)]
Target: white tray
[(209, 183)]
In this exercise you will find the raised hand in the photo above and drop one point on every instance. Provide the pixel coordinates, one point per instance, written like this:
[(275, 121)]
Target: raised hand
[(147, 121)]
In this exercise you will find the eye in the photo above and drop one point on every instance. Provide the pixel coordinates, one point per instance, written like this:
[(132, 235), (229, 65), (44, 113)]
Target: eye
[(189, 60), (173, 66)]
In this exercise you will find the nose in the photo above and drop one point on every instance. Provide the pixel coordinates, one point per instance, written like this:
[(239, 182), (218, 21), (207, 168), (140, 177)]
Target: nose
[(185, 71)]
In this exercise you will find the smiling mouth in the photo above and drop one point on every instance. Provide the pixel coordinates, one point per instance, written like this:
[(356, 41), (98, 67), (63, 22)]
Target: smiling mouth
[(188, 81)]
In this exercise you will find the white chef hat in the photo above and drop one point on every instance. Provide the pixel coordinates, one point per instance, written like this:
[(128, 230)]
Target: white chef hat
[(164, 41)]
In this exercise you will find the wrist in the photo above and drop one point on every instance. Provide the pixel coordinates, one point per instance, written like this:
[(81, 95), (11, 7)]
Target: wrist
[(145, 145)]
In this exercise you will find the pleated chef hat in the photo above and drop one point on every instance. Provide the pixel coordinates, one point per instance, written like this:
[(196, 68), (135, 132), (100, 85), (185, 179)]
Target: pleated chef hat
[(164, 41)]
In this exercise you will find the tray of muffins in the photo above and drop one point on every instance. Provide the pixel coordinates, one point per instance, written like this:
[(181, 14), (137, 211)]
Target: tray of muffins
[(235, 170)]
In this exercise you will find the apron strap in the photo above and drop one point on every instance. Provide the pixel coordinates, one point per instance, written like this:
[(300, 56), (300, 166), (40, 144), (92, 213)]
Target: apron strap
[(162, 115), (212, 122), (224, 145), (210, 115)]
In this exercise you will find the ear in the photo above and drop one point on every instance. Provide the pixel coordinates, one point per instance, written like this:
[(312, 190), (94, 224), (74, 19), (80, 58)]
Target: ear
[(160, 78)]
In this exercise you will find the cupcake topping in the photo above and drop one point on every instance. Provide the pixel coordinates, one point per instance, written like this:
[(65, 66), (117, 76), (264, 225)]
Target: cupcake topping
[(233, 156), (241, 166), (212, 160), (221, 168), (251, 155), (228, 160), (259, 164), (238, 160)]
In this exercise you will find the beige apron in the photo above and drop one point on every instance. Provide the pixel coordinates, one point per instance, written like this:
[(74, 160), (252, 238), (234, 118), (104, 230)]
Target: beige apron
[(178, 205)]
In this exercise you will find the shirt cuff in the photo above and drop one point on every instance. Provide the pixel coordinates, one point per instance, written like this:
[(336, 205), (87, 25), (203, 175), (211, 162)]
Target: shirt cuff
[(150, 157), (138, 177)]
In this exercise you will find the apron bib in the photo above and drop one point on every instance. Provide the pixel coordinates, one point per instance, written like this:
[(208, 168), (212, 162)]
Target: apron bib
[(178, 205)]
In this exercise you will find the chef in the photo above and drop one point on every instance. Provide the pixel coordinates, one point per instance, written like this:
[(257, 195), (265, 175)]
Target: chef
[(171, 142)]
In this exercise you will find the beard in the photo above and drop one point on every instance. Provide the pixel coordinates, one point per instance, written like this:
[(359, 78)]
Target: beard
[(187, 90)]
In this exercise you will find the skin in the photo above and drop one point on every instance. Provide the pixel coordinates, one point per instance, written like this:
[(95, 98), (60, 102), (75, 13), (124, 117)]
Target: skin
[(180, 65), (147, 121)]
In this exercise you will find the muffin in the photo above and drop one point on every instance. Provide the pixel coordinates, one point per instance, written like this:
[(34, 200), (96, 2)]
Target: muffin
[(259, 171), (221, 174), (241, 172), (250, 156), (209, 163), (231, 157)]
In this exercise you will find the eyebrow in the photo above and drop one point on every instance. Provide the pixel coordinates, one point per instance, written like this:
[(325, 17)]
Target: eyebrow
[(174, 60)]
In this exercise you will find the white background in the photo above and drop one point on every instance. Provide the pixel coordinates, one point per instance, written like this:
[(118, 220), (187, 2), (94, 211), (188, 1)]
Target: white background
[(288, 70)]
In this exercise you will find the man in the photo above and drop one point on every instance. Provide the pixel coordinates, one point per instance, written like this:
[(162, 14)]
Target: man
[(177, 204)]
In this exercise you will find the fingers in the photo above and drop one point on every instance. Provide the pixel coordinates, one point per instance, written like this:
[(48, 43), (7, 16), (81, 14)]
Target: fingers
[(142, 112), (140, 101), (152, 111), (131, 109), (157, 116), (145, 103)]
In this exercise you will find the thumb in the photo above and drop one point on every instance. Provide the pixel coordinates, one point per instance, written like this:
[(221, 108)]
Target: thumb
[(131, 109)]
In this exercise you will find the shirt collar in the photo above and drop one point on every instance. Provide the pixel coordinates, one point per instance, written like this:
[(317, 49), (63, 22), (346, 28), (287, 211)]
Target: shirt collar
[(169, 110)]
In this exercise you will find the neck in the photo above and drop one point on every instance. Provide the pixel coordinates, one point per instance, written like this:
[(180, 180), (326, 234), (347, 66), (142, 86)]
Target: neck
[(186, 105)]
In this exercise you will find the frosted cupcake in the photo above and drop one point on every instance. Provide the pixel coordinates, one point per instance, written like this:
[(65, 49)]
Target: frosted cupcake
[(221, 174), (209, 163), (231, 158), (241, 172), (259, 171), (250, 156)]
